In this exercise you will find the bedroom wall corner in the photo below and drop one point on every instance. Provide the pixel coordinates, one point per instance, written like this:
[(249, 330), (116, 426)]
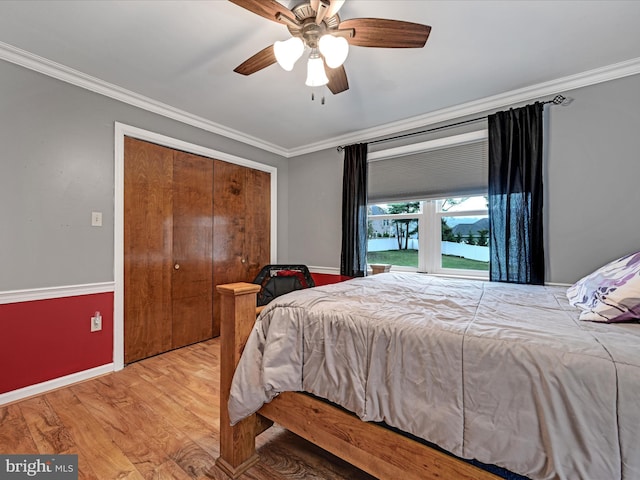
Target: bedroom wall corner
[(591, 194), (315, 206), (56, 168)]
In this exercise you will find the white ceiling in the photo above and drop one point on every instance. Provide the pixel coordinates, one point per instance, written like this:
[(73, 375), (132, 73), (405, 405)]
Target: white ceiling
[(178, 57)]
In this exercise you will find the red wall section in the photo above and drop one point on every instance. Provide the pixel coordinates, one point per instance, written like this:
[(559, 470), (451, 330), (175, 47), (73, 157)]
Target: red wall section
[(327, 278), (45, 339)]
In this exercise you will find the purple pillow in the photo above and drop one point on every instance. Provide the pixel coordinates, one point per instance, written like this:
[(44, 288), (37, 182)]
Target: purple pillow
[(611, 293)]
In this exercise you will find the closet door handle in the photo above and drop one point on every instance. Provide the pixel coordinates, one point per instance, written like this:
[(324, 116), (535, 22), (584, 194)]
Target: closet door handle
[(176, 266)]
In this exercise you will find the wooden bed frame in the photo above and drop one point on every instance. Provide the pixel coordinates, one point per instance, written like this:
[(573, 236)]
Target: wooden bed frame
[(377, 450)]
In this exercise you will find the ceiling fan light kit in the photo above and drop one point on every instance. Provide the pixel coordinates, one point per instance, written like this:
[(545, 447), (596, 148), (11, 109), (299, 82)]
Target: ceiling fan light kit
[(334, 50), (288, 52), (315, 24), (316, 75)]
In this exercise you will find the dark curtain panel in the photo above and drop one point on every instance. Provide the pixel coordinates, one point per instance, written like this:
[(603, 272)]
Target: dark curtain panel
[(515, 195), (353, 259)]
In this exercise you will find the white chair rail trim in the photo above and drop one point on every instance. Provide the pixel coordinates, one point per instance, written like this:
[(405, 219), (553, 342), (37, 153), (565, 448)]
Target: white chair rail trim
[(47, 293)]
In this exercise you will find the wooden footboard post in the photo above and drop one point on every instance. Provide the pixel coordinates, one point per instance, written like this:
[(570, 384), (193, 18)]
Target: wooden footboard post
[(237, 443)]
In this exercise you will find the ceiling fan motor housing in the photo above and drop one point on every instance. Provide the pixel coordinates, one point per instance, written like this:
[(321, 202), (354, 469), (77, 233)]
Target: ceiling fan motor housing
[(309, 31)]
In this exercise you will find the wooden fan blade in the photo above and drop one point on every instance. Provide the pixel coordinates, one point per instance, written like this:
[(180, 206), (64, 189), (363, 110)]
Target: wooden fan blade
[(260, 60), (384, 33), (265, 8), (337, 79)]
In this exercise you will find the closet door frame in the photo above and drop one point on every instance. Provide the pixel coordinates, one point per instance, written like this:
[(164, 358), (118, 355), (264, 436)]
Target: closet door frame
[(121, 131)]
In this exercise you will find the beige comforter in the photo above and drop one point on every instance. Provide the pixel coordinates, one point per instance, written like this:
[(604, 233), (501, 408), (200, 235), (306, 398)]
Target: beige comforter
[(502, 373)]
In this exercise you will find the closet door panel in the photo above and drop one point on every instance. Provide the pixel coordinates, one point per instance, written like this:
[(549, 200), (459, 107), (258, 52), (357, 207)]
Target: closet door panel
[(148, 170), (192, 272), (228, 227), (258, 215), (241, 226)]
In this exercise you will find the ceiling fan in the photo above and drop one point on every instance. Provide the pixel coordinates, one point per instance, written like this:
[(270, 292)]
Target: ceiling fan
[(315, 24)]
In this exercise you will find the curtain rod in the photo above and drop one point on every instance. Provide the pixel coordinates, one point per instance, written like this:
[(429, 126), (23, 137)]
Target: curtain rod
[(557, 100)]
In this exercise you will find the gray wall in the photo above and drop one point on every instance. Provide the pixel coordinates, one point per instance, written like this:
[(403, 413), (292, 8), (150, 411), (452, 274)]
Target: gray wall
[(592, 197), (57, 166), (315, 209), (593, 169)]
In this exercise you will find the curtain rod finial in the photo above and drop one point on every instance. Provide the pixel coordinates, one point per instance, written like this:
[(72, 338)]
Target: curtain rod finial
[(566, 101), (561, 100)]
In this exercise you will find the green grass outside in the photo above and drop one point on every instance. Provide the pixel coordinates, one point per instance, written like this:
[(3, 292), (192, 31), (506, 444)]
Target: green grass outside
[(409, 258)]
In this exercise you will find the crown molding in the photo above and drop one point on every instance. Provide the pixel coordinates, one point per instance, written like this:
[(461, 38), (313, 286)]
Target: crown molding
[(74, 77), (562, 85), (507, 99)]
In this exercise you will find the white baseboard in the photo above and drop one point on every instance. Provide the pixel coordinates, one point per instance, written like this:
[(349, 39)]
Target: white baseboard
[(37, 389), (325, 270)]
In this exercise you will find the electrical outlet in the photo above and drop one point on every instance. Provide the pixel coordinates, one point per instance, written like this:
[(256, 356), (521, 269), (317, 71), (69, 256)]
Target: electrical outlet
[(96, 322)]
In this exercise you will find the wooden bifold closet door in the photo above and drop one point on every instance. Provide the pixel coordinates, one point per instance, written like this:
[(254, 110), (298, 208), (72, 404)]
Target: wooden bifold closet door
[(242, 225), (168, 247), (190, 223)]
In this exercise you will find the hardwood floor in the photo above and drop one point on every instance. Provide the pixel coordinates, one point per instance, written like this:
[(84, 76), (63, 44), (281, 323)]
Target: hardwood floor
[(156, 419)]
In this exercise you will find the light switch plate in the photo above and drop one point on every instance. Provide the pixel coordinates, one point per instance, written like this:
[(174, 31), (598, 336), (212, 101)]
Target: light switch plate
[(96, 219)]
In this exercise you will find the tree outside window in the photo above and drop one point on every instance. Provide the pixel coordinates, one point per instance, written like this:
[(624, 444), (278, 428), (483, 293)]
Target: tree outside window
[(404, 228)]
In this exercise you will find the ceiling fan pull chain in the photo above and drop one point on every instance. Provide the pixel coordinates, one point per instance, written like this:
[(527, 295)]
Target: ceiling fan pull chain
[(313, 96)]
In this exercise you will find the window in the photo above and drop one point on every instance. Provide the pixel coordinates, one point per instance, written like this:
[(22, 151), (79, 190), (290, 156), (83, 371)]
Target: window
[(428, 210), (393, 234), (447, 235)]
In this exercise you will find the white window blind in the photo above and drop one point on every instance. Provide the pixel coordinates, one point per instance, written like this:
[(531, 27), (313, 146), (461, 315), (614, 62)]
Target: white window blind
[(451, 167)]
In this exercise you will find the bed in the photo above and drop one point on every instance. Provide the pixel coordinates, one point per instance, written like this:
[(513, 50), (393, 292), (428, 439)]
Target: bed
[(412, 376)]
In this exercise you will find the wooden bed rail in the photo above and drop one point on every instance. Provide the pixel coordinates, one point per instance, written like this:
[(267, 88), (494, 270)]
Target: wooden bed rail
[(379, 451)]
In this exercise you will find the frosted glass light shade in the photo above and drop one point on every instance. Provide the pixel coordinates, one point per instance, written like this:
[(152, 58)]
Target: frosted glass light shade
[(288, 52), (334, 49), (334, 6), (316, 75)]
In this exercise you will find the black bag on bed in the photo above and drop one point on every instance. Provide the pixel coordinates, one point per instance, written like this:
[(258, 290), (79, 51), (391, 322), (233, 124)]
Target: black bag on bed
[(276, 280)]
